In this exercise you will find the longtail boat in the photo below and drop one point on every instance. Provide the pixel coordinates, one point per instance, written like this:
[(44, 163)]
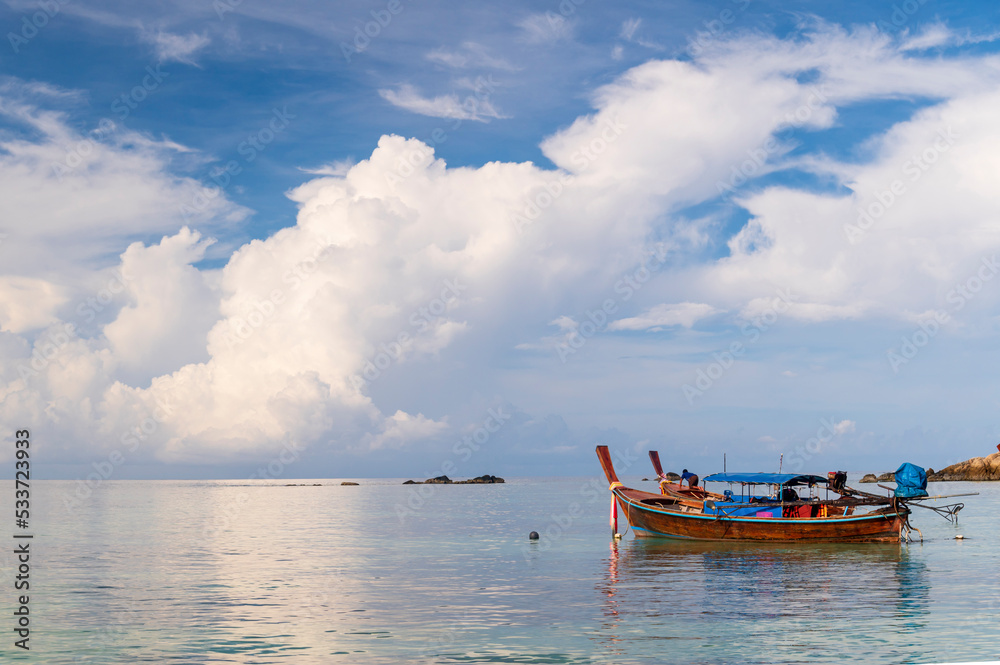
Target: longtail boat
[(852, 517), (670, 488)]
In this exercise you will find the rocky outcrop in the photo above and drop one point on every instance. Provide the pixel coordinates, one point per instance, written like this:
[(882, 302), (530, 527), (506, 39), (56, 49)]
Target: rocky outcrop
[(487, 479), (977, 468), (445, 480), (440, 480), (348, 482), (672, 477), (889, 477)]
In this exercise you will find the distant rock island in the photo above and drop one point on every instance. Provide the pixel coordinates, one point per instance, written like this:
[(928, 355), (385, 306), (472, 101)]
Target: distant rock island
[(883, 478), (445, 480), (975, 469)]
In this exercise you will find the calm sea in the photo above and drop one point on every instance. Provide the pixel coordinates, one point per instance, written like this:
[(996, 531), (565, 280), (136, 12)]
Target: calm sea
[(260, 572)]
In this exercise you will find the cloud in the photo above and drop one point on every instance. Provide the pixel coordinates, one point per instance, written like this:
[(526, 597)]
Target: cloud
[(171, 307), (469, 55), (933, 35), (661, 316), (401, 429), (444, 106), (938, 35), (336, 168), (87, 191), (547, 27), (399, 261), (844, 427), (629, 26), (28, 303), (179, 48)]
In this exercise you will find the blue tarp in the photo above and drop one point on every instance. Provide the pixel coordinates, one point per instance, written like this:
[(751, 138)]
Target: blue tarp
[(767, 478), (911, 481)]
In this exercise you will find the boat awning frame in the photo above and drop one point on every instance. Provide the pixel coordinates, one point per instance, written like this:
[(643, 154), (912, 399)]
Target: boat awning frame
[(767, 478)]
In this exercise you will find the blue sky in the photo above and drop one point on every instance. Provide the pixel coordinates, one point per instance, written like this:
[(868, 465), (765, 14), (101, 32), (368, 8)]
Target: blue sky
[(644, 224)]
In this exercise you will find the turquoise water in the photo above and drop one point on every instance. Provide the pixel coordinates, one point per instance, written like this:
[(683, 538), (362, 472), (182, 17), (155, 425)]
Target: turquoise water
[(258, 572)]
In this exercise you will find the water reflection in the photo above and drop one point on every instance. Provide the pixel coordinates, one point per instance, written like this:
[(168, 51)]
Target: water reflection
[(716, 596)]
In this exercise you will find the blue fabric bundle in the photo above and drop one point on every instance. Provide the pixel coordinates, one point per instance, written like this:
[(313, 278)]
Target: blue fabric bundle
[(911, 481)]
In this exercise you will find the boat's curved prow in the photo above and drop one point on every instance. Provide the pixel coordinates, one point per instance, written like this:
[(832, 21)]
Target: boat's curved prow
[(604, 455), (654, 457)]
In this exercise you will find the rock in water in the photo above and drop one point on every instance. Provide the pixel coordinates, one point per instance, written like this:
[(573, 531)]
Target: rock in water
[(440, 480), (869, 478), (348, 482), (484, 479), (411, 482), (672, 477), (977, 468)]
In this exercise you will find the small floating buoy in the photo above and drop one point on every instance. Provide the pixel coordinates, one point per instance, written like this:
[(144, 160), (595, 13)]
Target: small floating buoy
[(618, 536), (533, 535), (959, 537)]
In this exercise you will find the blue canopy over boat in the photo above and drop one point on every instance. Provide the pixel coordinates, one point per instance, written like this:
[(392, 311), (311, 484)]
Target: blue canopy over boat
[(767, 478)]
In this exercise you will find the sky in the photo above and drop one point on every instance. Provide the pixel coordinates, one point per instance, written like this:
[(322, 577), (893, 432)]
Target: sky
[(403, 238)]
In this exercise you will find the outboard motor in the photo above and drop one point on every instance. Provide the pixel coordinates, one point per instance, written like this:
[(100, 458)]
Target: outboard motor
[(837, 480)]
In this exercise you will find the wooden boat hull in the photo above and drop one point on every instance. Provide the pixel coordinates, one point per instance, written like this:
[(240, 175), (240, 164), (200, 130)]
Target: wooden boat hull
[(666, 521), (672, 515)]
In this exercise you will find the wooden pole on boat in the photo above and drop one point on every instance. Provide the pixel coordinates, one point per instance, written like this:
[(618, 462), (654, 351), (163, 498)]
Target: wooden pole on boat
[(614, 517), (780, 460), (723, 462)]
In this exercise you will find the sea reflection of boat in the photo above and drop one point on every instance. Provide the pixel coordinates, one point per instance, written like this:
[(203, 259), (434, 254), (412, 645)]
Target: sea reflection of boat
[(713, 598), (783, 516)]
